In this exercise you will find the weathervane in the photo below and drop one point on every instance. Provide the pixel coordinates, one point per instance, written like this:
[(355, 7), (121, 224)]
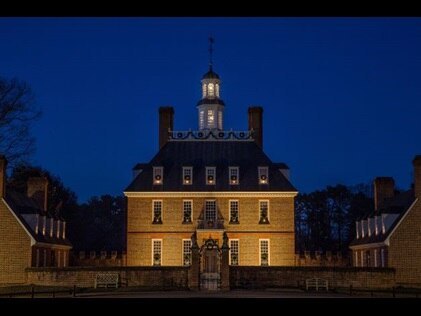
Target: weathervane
[(211, 41)]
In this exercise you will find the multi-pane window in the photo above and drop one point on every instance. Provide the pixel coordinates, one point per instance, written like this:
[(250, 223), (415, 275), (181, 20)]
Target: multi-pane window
[(220, 120), (233, 175), (362, 258), (217, 90), (187, 175), (157, 212), (234, 212), (210, 210), (186, 252), (263, 175), (211, 118), (202, 119), (211, 91), (375, 257), (264, 252), (234, 252), (156, 252), (187, 211), (264, 212), (158, 174), (210, 175)]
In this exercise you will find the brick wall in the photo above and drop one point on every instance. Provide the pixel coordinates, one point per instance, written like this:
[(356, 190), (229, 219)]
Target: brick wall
[(405, 248), (280, 231), (15, 248), (318, 259), (272, 277), (99, 258), (147, 277)]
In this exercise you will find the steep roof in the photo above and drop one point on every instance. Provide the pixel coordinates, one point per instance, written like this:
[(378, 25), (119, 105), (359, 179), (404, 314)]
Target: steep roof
[(221, 154), (398, 204), (22, 205)]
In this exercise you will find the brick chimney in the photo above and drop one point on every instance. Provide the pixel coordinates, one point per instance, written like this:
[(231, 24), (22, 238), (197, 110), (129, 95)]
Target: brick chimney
[(256, 124), (37, 190), (384, 187), (3, 165), (417, 175), (166, 122)]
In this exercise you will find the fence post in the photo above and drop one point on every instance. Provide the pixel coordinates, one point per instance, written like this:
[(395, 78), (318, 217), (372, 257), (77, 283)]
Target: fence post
[(32, 291), (74, 290)]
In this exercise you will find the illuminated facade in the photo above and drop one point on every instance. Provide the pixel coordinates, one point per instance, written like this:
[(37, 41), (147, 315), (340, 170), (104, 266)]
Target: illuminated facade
[(390, 236), (210, 188)]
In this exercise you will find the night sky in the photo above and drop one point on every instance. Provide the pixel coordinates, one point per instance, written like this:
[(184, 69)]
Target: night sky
[(341, 96)]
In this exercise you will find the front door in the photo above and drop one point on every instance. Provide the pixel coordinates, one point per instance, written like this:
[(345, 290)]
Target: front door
[(210, 272)]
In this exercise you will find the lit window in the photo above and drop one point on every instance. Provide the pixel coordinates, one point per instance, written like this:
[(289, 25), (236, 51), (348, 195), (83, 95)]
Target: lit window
[(233, 175), (186, 252), (263, 175), (234, 212), (187, 175), (157, 212), (158, 175), (210, 175), (264, 252), (187, 211), (210, 210), (58, 229), (201, 119), (211, 91), (234, 252), (204, 91), (211, 119), (156, 252), (220, 120), (217, 90), (264, 212)]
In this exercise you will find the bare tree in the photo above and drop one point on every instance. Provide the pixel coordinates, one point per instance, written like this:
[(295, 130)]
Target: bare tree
[(17, 113)]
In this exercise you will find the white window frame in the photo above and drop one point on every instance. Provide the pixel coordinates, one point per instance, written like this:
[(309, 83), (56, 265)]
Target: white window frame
[(263, 171), (209, 171), (362, 258), (153, 210), (58, 229), (206, 210), (64, 230), (51, 227), (153, 252), (187, 171), (184, 252), (158, 171), (260, 251), (238, 211), (231, 241), (191, 211), (233, 170), (268, 210)]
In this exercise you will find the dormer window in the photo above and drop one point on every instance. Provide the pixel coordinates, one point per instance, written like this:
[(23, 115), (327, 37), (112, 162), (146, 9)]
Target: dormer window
[(263, 175), (187, 175), (233, 175), (158, 173), (210, 175)]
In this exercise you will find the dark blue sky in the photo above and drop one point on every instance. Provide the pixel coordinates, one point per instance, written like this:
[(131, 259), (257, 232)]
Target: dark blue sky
[(341, 96)]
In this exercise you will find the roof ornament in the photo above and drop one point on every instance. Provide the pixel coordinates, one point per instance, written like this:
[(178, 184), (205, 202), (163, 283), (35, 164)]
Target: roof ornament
[(211, 41)]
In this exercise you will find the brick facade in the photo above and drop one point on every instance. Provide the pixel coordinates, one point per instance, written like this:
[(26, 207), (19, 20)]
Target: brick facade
[(405, 248), (172, 231), (15, 249)]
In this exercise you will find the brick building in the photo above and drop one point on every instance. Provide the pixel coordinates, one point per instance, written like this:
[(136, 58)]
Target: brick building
[(390, 236), (30, 236), (209, 188)]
